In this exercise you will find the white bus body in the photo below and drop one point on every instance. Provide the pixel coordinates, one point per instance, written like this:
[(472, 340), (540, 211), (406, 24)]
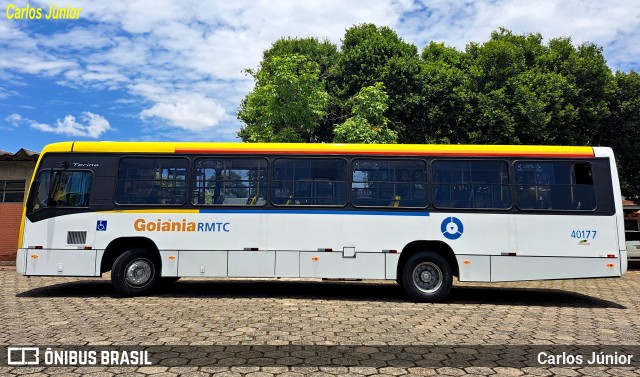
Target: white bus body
[(334, 243)]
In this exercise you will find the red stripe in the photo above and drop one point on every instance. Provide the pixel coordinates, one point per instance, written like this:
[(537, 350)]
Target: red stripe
[(374, 153)]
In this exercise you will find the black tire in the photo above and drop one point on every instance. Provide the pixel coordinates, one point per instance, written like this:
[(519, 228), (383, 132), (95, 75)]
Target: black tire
[(426, 277), (135, 273)]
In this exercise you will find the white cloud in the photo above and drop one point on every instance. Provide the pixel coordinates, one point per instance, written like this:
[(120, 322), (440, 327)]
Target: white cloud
[(458, 23), (14, 119), (183, 60), (190, 112), (95, 125)]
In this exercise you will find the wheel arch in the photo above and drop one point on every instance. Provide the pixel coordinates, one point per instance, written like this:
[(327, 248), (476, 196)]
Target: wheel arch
[(438, 247), (122, 244)]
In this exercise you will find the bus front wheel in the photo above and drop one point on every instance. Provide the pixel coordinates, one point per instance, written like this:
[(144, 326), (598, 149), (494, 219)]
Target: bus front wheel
[(135, 273), (427, 277)]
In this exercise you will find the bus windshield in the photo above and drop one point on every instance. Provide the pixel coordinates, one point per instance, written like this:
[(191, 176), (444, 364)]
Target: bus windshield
[(68, 189)]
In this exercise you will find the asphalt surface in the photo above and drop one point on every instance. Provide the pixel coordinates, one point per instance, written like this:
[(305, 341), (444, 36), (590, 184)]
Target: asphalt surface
[(322, 328)]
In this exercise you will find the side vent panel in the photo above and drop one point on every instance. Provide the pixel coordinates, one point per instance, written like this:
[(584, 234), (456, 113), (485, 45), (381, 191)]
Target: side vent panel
[(76, 237)]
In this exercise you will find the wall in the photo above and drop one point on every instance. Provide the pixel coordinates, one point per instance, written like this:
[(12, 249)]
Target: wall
[(11, 213), (10, 217), (14, 170)]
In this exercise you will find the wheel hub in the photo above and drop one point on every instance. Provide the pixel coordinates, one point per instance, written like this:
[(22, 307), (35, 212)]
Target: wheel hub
[(139, 272), (428, 277), (425, 276)]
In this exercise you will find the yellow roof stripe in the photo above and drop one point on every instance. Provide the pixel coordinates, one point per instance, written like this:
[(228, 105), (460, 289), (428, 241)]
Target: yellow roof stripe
[(301, 148)]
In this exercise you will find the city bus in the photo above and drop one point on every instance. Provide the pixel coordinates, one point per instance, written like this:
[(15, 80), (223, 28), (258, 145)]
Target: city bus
[(153, 212)]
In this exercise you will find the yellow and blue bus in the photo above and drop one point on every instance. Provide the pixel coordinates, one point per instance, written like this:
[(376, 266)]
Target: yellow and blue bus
[(417, 214)]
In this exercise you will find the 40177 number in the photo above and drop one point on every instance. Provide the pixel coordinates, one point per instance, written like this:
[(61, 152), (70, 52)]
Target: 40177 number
[(584, 234)]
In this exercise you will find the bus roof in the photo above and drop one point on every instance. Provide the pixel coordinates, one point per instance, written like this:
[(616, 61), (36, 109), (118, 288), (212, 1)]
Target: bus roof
[(320, 149)]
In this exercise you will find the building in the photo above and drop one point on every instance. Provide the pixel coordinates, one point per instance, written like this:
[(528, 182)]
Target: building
[(15, 175), (631, 215)]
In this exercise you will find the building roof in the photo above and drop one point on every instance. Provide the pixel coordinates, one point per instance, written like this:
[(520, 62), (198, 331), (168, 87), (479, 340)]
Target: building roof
[(21, 155)]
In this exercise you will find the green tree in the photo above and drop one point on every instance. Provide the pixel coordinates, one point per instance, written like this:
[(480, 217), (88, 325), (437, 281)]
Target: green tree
[(287, 103), (623, 131), (446, 101), (371, 54), (513, 89), (324, 53), (368, 124), (365, 55)]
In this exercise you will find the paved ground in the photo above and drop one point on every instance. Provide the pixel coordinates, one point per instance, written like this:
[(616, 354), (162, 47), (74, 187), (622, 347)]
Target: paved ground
[(292, 328)]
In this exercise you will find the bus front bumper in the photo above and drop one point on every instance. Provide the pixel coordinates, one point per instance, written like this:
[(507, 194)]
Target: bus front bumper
[(21, 262)]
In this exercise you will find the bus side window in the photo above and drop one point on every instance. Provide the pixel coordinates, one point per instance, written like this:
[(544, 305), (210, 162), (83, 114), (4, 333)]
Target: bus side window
[(230, 181), (309, 182), (471, 184), (555, 185), (148, 180), (394, 183), (583, 191)]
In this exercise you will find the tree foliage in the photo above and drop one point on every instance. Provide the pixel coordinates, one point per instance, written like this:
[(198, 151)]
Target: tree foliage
[(368, 124), (371, 54), (287, 102), (511, 89), (623, 131), (324, 54)]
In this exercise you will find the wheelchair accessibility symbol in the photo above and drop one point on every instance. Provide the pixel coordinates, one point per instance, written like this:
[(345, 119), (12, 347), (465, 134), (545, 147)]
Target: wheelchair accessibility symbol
[(451, 228), (101, 225)]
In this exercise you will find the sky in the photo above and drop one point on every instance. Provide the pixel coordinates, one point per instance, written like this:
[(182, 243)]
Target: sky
[(169, 70)]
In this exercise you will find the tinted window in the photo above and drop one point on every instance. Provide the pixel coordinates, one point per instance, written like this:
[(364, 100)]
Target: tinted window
[(302, 181), (11, 191), (471, 184), (144, 180), (230, 181), (632, 236), (543, 185), (389, 183), (631, 225), (70, 189)]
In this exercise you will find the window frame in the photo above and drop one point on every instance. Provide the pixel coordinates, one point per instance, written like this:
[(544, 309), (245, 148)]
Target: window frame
[(116, 180), (387, 158), (509, 184), (4, 191), (573, 162), (267, 180), (272, 181)]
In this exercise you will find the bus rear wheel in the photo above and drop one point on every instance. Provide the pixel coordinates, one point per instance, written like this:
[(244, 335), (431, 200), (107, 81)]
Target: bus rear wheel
[(135, 273), (426, 277)]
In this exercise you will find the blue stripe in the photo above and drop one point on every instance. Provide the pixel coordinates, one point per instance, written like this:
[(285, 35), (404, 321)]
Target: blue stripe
[(315, 212)]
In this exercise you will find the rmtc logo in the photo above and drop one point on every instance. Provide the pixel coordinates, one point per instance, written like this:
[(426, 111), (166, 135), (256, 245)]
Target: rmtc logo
[(452, 228), (141, 225)]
